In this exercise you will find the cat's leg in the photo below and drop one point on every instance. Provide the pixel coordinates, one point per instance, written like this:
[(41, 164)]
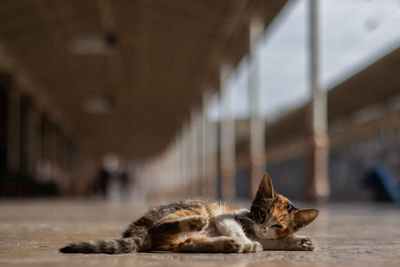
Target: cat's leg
[(177, 225), (221, 244), (302, 243), (228, 226)]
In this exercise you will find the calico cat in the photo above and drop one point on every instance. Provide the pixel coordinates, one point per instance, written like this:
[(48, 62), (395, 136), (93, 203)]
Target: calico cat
[(205, 226)]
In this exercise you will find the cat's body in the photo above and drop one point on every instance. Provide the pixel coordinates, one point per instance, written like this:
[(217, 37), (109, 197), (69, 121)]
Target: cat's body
[(205, 226)]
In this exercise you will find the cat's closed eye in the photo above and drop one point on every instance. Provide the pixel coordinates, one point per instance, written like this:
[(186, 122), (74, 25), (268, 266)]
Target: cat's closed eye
[(278, 226)]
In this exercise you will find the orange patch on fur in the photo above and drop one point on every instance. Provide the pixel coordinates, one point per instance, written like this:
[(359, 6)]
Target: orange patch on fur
[(203, 211), (211, 209), (185, 213), (226, 208), (284, 233), (166, 242)]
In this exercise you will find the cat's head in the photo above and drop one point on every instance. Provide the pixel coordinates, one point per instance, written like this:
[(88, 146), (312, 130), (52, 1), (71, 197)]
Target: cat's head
[(274, 216)]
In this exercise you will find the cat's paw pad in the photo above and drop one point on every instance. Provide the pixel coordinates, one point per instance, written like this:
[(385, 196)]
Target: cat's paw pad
[(197, 223), (307, 243)]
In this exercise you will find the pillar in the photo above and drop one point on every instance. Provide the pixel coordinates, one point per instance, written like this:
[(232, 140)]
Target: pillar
[(14, 131), (257, 122), (318, 145), (34, 140), (209, 149), (227, 140)]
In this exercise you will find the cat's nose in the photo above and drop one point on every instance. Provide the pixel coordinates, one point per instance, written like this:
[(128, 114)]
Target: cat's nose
[(264, 228)]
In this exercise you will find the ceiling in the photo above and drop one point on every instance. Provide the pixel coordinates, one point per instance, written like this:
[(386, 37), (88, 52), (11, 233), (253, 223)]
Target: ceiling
[(147, 63)]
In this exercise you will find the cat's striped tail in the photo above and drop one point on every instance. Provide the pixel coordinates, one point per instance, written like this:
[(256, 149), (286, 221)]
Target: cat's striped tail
[(135, 238), (116, 246)]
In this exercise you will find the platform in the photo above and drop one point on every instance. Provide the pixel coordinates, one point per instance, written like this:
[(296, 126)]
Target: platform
[(32, 231)]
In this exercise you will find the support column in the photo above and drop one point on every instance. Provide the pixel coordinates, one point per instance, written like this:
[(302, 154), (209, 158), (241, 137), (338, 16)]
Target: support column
[(50, 150), (197, 138), (181, 163), (3, 122), (318, 185), (45, 148), (257, 122), (34, 140), (54, 158), (185, 162), (209, 150), (14, 131), (193, 140), (227, 141)]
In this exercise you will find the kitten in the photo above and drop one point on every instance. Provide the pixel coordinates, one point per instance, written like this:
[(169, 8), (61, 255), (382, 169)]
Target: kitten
[(204, 226)]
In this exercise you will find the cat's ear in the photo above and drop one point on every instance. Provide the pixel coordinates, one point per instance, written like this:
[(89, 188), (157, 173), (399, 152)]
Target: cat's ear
[(265, 189), (304, 217)]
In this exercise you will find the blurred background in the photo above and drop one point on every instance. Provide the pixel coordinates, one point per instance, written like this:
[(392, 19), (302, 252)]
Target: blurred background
[(156, 100)]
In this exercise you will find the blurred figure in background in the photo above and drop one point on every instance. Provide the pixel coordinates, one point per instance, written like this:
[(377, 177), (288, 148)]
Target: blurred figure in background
[(112, 181)]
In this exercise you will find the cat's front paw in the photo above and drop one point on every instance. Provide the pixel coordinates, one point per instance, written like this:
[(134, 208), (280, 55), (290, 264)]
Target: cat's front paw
[(306, 243), (237, 246), (252, 247), (231, 245)]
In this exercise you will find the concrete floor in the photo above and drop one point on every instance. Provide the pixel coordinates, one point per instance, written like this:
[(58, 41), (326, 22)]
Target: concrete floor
[(32, 231)]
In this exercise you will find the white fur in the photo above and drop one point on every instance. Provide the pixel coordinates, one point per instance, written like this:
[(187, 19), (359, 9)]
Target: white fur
[(228, 226)]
